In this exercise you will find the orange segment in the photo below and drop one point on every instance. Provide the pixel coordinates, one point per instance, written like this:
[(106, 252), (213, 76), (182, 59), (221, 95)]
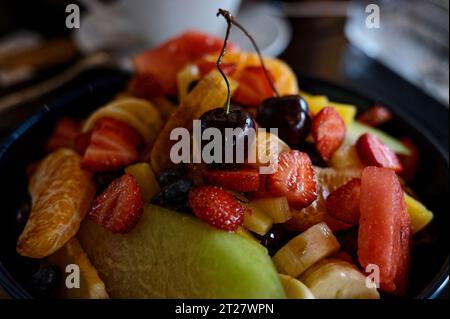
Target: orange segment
[(61, 195), (285, 79), (91, 286), (328, 179)]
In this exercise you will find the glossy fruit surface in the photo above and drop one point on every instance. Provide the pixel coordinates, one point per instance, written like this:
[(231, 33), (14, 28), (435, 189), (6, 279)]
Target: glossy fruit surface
[(289, 114), (119, 207), (244, 180), (185, 258), (235, 119), (373, 152), (295, 179), (216, 207)]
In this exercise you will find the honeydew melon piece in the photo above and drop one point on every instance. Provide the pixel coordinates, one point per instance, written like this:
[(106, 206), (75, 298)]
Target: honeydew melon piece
[(175, 255)]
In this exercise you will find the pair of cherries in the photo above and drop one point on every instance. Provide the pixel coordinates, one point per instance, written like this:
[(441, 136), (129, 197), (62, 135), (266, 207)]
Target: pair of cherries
[(290, 114)]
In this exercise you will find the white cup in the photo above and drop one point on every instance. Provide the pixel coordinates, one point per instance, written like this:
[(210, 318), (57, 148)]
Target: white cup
[(157, 20)]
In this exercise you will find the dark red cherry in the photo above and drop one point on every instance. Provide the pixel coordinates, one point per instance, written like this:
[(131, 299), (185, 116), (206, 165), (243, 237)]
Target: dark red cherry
[(290, 114), (236, 118)]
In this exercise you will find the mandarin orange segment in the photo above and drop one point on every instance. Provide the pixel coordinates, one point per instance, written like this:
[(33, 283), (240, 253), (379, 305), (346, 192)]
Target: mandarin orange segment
[(91, 286), (285, 79), (328, 180), (61, 195)]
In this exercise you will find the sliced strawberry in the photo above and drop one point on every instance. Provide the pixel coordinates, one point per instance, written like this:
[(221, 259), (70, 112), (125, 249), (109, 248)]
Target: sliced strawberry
[(410, 163), (384, 230), (113, 145), (373, 152), (82, 142), (328, 130), (216, 207), (253, 87), (343, 203), (294, 178), (145, 86), (375, 116), (119, 207), (240, 181), (164, 62), (64, 133), (206, 66)]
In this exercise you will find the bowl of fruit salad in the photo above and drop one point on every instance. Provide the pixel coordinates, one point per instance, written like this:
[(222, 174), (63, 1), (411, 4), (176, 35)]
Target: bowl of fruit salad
[(355, 206)]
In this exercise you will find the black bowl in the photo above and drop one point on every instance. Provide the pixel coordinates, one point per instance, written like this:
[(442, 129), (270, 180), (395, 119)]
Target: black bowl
[(429, 273)]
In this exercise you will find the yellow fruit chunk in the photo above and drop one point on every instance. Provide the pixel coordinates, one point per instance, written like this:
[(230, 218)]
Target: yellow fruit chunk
[(276, 208), (264, 151), (61, 195), (146, 179), (295, 289), (185, 77), (91, 286), (337, 279), (256, 221), (317, 102), (140, 114), (420, 216), (346, 111), (314, 244), (209, 93), (345, 157)]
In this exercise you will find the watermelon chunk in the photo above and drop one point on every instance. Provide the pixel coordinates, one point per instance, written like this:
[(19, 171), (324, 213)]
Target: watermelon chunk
[(385, 229)]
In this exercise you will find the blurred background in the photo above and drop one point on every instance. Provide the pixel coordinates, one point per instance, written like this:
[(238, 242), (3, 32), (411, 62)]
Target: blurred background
[(398, 54), (396, 50)]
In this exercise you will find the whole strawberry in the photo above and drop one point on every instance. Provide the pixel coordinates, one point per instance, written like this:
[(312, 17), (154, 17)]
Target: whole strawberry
[(216, 207)]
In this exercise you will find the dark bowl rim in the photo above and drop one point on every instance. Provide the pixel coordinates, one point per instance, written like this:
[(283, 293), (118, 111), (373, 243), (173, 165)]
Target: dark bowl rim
[(431, 291)]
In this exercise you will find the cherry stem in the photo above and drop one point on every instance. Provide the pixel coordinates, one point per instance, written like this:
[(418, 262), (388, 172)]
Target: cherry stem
[(231, 20), (219, 61)]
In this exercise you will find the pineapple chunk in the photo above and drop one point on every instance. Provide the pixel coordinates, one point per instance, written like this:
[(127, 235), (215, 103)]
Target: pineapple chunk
[(146, 179), (420, 216), (345, 157), (184, 77), (314, 244), (317, 102), (346, 111), (256, 221), (265, 150), (277, 208), (337, 279), (295, 289)]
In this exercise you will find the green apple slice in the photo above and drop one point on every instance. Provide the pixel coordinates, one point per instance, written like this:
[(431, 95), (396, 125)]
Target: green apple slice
[(174, 255)]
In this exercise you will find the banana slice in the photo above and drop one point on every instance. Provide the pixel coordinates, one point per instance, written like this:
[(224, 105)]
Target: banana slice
[(138, 113), (314, 244), (295, 289), (337, 279)]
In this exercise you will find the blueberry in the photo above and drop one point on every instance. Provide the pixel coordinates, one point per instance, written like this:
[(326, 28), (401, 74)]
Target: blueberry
[(176, 194), (169, 177), (44, 279)]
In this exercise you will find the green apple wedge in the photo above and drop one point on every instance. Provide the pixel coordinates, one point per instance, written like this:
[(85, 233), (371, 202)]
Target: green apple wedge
[(174, 255)]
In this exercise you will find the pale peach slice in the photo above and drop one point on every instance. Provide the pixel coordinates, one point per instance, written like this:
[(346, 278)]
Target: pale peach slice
[(90, 284)]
